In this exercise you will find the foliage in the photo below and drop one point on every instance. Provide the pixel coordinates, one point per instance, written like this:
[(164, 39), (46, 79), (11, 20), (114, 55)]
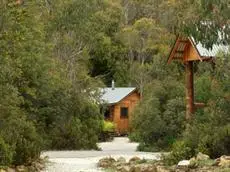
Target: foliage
[(212, 143), (38, 91), (179, 152), (158, 120), (79, 130), (6, 153), (209, 131), (25, 141), (56, 54), (108, 126), (22, 138)]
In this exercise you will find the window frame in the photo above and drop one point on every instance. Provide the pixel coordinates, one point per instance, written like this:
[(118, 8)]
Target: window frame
[(124, 112)]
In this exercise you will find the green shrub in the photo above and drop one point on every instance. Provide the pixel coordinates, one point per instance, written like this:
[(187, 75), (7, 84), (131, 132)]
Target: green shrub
[(216, 143), (73, 134), (6, 154), (148, 147), (108, 126), (67, 135), (213, 141), (23, 139), (180, 151), (79, 127), (134, 137), (158, 120)]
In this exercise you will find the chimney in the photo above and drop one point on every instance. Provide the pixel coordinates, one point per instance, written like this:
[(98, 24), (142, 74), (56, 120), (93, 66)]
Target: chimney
[(113, 85)]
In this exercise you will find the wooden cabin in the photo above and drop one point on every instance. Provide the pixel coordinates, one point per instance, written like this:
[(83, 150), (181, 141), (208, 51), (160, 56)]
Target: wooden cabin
[(120, 104)]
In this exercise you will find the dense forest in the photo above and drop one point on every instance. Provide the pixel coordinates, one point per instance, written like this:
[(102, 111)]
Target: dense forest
[(56, 54)]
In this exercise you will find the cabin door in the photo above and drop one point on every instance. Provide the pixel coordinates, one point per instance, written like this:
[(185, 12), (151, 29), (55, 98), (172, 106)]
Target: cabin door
[(124, 120)]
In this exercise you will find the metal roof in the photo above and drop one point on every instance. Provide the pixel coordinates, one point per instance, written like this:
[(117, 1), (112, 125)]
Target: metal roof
[(115, 95), (213, 52)]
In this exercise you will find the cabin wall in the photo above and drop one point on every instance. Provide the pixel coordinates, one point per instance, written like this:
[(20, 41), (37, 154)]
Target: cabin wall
[(129, 102)]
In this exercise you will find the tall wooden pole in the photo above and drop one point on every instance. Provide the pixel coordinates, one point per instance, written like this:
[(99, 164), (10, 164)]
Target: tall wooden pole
[(189, 89)]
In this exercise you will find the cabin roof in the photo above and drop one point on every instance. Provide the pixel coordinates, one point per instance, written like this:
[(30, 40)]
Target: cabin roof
[(213, 52), (115, 95), (181, 44)]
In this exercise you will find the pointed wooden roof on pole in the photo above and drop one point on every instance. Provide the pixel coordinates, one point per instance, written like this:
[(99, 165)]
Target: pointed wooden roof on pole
[(186, 49)]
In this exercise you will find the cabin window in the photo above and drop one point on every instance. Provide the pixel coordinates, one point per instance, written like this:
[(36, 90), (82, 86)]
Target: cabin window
[(107, 114), (124, 112)]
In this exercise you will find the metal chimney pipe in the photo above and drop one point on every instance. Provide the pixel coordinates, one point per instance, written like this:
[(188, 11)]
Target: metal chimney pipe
[(113, 85)]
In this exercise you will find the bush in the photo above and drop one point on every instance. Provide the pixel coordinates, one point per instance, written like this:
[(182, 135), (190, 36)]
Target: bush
[(213, 141), (6, 154), (134, 137), (108, 126), (180, 151), (107, 131), (67, 135), (79, 128), (158, 120), (215, 144), (72, 135), (23, 139)]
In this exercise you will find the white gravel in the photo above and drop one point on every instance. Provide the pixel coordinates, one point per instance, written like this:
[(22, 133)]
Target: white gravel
[(85, 161)]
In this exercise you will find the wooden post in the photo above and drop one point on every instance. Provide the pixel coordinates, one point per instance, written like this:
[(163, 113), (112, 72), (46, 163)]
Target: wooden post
[(189, 89)]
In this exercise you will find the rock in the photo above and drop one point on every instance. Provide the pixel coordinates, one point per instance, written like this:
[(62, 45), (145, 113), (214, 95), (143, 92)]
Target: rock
[(143, 168), (192, 159), (106, 162), (123, 169), (183, 163), (193, 163), (133, 169), (134, 159), (39, 166), (21, 168), (184, 170), (10, 170), (162, 169), (121, 160), (148, 168), (2, 170), (224, 161), (118, 164), (217, 161), (202, 157)]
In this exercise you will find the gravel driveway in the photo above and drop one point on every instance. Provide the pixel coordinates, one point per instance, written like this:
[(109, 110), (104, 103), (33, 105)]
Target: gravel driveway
[(85, 161)]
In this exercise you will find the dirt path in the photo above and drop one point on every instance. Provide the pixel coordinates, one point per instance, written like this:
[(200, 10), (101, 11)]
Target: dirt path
[(85, 161)]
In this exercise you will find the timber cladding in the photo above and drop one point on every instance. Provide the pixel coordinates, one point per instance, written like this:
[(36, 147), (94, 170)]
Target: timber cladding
[(121, 112)]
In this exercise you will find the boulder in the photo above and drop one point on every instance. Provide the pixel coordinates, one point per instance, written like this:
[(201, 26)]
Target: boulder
[(224, 161), (39, 166), (134, 168), (118, 164), (183, 163), (123, 168), (121, 160), (21, 168), (134, 159), (143, 168), (10, 170), (162, 169), (106, 162), (193, 163), (202, 157)]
